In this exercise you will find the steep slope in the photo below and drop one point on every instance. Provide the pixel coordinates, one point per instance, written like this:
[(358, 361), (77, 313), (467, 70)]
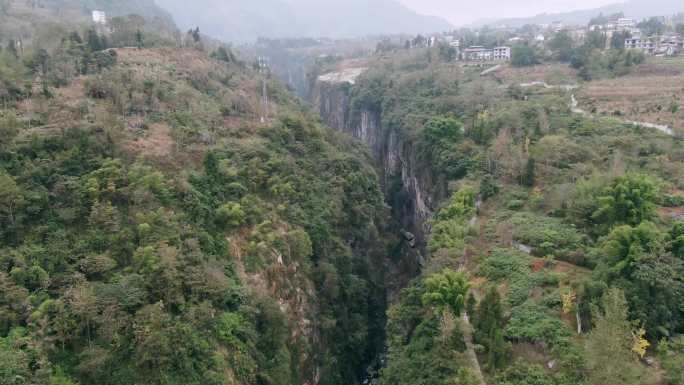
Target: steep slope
[(48, 20), (159, 224), (522, 207), (249, 20)]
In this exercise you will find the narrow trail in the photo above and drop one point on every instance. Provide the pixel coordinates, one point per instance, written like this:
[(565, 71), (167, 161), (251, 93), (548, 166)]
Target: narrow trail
[(467, 330), (567, 87), (465, 325), (574, 107)]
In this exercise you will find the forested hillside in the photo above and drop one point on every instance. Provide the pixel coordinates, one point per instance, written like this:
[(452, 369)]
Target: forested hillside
[(171, 214), (161, 224), (557, 231)]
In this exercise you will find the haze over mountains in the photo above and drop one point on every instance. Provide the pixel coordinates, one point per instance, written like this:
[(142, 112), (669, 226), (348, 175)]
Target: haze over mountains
[(638, 9), (145, 8), (245, 20)]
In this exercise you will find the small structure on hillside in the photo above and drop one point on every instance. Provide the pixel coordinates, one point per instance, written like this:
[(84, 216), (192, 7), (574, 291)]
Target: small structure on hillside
[(502, 53), (480, 53), (99, 17), (667, 45), (477, 52), (626, 23), (646, 45)]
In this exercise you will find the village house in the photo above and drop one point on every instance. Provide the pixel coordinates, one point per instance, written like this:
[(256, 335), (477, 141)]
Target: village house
[(480, 53), (646, 45), (99, 17), (626, 23), (667, 45), (477, 53), (557, 26), (617, 25), (502, 53)]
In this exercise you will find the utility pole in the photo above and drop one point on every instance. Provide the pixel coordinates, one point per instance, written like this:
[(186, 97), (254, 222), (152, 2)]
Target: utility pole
[(264, 71)]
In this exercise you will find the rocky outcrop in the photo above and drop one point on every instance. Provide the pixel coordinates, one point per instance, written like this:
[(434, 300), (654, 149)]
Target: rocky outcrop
[(406, 189)]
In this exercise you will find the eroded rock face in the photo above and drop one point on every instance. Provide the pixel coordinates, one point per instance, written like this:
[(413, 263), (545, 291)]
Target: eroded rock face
[(406, 189)]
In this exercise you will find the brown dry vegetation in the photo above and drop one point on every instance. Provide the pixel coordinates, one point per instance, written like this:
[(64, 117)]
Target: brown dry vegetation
[(654, 93), (157, 143), (553, 74)]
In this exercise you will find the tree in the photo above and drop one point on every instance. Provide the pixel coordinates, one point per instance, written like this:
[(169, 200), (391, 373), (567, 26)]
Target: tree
[(671, 354), (652, 26), (488, 187), (9, 129), (446, 52), (94, 41), (524, 55), (471, 305), (630, 200), (10, 195), (230, 215), (595, 40), (224, 55), (617, 41), (609, 345), (12, 48), (562, 45), (528, 176), (139, 39), (195, 34), (446, 291), (677, 240), (638, 260), (489, 322)]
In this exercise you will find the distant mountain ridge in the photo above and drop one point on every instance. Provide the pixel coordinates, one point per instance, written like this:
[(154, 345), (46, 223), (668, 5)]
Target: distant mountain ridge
[(637, 9), (146, 8), (247, 20)]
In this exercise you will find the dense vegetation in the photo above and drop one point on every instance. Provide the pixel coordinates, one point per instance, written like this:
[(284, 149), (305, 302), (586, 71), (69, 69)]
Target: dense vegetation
[(161, 224), (151, 231), (569, 238)]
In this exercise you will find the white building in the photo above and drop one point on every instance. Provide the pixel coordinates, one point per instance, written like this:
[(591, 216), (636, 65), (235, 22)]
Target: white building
[(480, 53), (477, 52), (99, 17), (626, 23), (557, 26), (646, 45), (502, 53), (670, 45)]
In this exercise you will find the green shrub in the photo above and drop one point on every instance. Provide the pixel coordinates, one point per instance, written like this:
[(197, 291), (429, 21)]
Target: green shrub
[(488, 187), (505, 263), (230, 215), (673, 200), (547, 236), (515, 204), (530, 322)]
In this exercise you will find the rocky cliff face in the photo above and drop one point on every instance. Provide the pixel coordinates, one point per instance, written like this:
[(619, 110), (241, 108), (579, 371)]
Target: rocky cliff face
[(406, 189)]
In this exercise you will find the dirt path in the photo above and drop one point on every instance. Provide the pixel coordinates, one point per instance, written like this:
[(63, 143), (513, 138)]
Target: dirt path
[(467, 330), (566, 87), (466, 327), (574, 107)]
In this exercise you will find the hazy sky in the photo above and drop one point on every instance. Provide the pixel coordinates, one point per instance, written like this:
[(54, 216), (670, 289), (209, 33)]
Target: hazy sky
[(466, 11)]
